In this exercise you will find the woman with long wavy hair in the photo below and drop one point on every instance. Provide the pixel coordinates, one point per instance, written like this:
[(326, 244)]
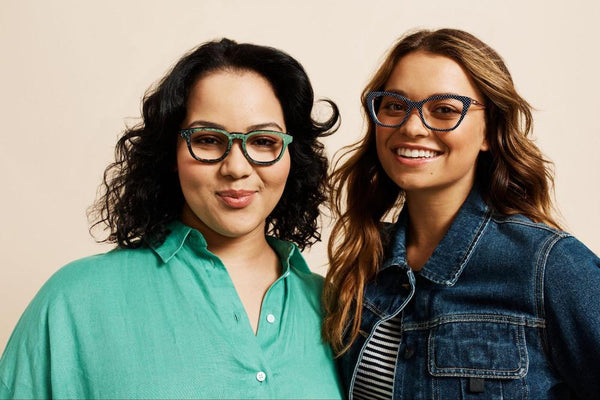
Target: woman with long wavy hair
[(474, 291), (197, 300)]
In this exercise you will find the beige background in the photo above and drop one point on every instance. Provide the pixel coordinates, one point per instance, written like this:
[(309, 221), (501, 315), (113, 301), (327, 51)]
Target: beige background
[(72, 74)]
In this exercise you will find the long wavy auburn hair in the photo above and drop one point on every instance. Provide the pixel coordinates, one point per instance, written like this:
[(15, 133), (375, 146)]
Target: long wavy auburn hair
[(513, 176)]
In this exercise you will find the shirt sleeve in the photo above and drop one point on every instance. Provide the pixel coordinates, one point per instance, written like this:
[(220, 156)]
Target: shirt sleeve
[(25, 364), (571, 302), (4, 391)]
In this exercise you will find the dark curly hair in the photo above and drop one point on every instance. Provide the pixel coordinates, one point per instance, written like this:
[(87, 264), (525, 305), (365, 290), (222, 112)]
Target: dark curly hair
[(141, 194)]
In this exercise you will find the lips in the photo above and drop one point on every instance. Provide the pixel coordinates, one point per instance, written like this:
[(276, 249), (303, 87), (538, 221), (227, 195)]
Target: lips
[(236, 198)]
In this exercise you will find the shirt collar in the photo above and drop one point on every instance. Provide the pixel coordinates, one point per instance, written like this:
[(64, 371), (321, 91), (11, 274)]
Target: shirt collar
[(176, 238), (451, 255), (179, 233), (289, 255)]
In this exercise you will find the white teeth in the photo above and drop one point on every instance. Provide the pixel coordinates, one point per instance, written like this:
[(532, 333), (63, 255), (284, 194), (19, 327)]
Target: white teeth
[(414, 153)]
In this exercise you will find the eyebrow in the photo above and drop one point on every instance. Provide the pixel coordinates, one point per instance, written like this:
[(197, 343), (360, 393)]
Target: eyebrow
[(256, 127), (205, 124), (403, 93)]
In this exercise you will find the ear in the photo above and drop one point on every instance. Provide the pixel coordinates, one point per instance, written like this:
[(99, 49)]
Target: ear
[(485, 146)]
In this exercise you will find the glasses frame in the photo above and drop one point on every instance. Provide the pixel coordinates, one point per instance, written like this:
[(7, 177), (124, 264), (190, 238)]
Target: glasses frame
[(467, 101), (231, 136)]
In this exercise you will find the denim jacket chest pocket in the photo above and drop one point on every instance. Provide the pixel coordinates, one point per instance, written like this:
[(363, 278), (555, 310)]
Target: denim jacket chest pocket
[(477, 359)]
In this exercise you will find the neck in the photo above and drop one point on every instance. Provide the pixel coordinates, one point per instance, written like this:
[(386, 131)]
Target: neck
[(239, 251), (430, 215), (245, 250)]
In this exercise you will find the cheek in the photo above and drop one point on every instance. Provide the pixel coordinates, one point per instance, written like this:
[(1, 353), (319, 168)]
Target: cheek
[(481, 135), (284, 170), (181, 154), (469, 140), (182, 165), (380, 140), (277, 175), (192, 174)]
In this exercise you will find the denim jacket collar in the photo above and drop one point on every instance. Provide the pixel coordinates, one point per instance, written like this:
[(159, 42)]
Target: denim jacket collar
[(452, 253)]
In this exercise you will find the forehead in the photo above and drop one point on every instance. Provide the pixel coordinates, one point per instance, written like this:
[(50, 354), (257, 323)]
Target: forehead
[(234, 100), (421, 74), (225, 84)]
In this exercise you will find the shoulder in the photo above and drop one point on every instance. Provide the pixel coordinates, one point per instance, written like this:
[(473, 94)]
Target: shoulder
[(305, 286), (115, 261), (296, 268), (519, 233), (290, 256), (562, 262), (565, 267), (570, 263), (301, 269), (518, 223), (97, 274), (85, 287), (558, 246), (571, 273), (76, 299)]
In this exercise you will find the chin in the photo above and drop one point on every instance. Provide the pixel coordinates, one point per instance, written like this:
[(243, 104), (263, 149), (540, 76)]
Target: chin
[(236, 231), (409, 185)]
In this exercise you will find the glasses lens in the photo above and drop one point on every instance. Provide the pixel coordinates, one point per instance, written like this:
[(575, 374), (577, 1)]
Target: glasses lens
[(208, 145), (443, 114), (391, 110), (264, 146)]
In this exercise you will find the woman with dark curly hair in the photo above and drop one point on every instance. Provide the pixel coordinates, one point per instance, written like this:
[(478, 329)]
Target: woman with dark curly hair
[(474, 292), (196, 301)]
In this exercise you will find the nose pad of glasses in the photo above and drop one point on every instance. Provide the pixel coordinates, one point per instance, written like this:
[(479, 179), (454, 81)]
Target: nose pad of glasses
[(236, 162), (414, 117), (238, 149)]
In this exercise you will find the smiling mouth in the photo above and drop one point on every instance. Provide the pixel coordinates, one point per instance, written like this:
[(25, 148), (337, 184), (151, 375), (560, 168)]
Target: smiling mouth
[(416, 153)]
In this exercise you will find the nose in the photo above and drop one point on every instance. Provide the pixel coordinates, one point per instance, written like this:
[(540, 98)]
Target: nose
[(235, 164), (414, 125)]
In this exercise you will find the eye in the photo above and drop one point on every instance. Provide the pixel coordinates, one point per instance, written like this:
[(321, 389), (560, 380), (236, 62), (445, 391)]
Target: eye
[(207, 138), (444, 109), (264, 141), (397, 106), (393, 105)]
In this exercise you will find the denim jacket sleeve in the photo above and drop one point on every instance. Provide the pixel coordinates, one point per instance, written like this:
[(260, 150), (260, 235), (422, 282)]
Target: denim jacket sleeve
[(571, 298)]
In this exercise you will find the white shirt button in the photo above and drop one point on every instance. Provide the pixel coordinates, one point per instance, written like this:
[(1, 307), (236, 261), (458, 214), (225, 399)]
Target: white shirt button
[(270, 318), (261, 376)]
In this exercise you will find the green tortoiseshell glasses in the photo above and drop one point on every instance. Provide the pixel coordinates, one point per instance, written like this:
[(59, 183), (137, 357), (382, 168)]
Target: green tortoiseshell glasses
[(211, 145)]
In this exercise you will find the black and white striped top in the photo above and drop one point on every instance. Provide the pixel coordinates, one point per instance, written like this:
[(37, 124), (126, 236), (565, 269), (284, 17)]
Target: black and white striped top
[(375, 374)]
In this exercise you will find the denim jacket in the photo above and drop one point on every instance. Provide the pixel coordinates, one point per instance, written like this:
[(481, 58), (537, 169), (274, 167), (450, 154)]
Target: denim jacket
[(505, 308)]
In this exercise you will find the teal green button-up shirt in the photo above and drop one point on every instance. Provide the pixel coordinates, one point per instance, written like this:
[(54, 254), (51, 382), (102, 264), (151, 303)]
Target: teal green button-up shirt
[(166, 322)]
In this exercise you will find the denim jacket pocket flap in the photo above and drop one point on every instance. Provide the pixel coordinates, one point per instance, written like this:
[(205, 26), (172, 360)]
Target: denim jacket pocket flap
[(478, 349)]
